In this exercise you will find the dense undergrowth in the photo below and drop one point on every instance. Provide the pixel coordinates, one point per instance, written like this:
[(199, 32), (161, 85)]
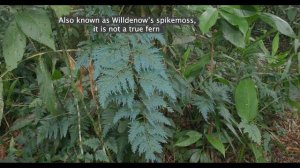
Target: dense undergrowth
[(202, 93)]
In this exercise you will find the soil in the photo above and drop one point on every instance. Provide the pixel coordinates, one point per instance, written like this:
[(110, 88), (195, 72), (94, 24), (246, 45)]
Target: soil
[(289, 137)]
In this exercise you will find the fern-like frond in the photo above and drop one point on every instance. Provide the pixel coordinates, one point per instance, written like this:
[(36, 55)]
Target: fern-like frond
[(107, 116), (151, 82), (126, 112), (252, 131), (130, 76), (218, 92), (224, 112), (153, 102), (147, 139), (93, 143), (147, 58), (156, 118), (204, 106)]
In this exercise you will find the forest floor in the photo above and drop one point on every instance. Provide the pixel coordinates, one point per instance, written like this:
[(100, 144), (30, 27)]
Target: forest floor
[(287, 131), (289, 136)]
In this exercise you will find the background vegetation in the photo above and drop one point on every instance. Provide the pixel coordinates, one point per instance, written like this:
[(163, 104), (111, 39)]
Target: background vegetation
[(205, 93)]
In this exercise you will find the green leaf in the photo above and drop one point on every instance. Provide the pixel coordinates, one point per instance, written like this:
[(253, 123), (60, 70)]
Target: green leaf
[(14, 44), (242, 11), (12, 144), (183, 40), (36, 25), (296, 45), (246, 99), (292, 12), (279, 24), (192, 137), (236, 21), (10, 91), (195, 157), (263, 48), (216, 143), (61, 10), (1, 100), (46, 87), (194, 69), (275, 44), (208, 19), (22, 122), (233, 35), (186, 56), (184, 59)]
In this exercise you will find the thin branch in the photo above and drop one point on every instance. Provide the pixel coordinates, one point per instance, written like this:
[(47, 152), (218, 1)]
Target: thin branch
[(42, 53), (79, 128)]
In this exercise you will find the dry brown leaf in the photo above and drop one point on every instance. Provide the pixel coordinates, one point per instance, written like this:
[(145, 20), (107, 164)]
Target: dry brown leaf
[(91, 74)]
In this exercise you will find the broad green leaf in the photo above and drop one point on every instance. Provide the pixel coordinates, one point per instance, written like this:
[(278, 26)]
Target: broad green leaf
[(22, 122), (61, 10), (275, 44), (216, 143), (14, 44), (1, 100), (208, 19), (192, 137), (240, 11), (47, 92), (233, 35), (246, 99), (36, 25), (195, 157), (194, 69), (236, 21), (279, 24)]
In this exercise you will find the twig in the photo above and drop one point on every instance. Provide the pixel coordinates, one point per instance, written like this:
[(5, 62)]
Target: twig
[(42, 53), (79, 127), (4, 73), (121, 9)]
